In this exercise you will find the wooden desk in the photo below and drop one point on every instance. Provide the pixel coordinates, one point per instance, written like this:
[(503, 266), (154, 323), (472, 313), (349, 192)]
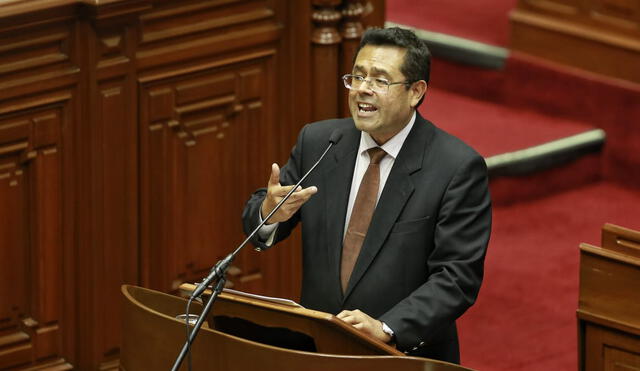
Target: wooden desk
[(609, 302)]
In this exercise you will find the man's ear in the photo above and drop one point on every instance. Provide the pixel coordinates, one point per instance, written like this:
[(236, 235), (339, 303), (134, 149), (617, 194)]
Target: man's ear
[(417, 90)]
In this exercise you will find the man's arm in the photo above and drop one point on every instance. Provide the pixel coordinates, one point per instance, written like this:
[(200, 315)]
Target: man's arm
[(264, 200)]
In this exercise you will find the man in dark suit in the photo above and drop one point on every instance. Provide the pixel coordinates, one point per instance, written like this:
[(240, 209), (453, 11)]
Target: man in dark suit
[(405, 267)]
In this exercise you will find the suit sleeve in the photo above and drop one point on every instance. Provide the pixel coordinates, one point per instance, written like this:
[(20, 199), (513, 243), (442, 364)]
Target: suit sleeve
[(455, 264), (290, 173)]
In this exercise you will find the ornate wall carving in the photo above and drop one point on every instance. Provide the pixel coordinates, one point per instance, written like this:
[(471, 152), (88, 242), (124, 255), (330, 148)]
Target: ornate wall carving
[(131, 134)]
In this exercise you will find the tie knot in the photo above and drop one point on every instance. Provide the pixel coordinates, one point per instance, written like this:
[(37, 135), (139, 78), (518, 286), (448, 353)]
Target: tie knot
[(376, 154)]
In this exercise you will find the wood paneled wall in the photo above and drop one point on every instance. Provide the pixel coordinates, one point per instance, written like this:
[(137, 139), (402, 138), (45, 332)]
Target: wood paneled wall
[(601, 36), (131, 134)]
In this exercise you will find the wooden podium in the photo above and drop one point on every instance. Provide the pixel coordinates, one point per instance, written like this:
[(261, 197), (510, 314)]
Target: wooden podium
[(609, 304), (153, 337)]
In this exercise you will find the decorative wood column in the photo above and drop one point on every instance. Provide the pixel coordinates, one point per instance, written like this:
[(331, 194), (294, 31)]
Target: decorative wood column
[(351, 31), (374, 13), (107, 177), (325, 54)]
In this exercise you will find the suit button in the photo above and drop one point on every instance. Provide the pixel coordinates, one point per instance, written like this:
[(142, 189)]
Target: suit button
[(421, 344)]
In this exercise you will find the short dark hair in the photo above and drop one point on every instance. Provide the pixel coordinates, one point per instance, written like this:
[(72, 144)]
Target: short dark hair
[(417, 61)]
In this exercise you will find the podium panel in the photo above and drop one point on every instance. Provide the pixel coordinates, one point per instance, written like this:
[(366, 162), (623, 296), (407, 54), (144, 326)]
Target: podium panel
[(152, 338)]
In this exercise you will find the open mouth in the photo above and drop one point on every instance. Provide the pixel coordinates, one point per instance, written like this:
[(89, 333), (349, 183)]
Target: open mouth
[(366, 108)]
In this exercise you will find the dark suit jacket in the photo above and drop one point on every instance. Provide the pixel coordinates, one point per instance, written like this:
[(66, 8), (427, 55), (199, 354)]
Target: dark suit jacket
[(421, 263)]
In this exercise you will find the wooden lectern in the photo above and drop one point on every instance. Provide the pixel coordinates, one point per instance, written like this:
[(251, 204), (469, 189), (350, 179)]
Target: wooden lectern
[(153, 337), (609, 304)]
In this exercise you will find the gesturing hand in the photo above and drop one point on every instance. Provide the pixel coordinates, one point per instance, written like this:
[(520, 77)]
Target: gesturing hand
[(365, 323), (275, 193)]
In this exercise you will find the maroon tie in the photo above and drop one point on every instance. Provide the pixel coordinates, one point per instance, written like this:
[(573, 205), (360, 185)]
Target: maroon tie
[(361, 215)]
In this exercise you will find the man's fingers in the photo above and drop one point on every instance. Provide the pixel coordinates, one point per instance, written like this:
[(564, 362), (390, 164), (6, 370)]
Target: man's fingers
[(303, 195), (274, 178), (281, 191), (350, 320), (363, 322), (308, 192), (344, 314), (353, 321), (275, 194), (348, 317), (300, 194)]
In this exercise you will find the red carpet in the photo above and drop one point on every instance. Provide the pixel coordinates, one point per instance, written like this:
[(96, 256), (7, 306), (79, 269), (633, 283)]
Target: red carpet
[(514, 189), (491, 128), (562, 94), (484, 21), (525, 316)]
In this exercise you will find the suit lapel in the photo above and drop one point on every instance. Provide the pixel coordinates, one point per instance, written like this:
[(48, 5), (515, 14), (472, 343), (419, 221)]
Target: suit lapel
[(338, 176), (396, 192)]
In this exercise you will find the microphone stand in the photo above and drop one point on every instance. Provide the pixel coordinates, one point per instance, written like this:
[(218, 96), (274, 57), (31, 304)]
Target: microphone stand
[(205, 312), (219, 271)]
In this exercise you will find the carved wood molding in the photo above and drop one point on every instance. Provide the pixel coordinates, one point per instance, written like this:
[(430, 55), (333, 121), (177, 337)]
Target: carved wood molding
[(109, 9), (326, 16), (351, 29), (163, 41), (352, 13), (30, 59), (97, 9)]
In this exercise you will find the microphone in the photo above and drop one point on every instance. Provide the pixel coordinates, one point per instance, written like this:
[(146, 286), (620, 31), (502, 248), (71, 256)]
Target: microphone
[(334, 139), (221, 267)]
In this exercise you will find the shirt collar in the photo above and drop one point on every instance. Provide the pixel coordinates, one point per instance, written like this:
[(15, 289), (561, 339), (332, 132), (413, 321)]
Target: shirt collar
[(393, 145)]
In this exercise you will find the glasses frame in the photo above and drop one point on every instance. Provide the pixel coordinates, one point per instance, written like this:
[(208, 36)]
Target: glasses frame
[(369, 81)]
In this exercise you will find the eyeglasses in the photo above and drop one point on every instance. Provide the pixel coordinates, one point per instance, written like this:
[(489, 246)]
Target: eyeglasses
[(378, 85)]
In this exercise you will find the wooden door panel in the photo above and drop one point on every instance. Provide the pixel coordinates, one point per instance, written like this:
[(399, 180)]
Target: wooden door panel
[(31, 244), (198, 131)]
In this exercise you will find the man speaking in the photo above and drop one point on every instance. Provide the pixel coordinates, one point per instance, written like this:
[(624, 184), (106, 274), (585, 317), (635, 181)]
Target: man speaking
[(396, 219)]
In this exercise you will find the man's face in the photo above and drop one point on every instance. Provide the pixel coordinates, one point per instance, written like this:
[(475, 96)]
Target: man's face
[(382, 115)]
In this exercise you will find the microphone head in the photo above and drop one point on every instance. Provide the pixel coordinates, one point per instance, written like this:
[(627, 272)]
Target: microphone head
[(335, 136)]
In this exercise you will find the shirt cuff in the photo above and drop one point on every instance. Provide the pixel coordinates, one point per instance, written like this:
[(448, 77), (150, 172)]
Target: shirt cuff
[(387, 330), (267, 232)]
